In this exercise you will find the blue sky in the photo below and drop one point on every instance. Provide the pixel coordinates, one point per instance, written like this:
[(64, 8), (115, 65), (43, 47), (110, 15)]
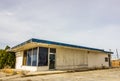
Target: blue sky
[(92, 23)]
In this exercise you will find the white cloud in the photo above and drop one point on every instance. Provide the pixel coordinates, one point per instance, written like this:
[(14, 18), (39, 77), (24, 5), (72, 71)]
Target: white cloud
[(90, 23)]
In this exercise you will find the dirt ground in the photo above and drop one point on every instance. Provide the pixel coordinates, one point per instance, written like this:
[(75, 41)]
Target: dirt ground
[(96, 75)]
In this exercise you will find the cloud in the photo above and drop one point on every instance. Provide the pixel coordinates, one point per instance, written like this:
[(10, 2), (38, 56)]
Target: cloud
[(88, 23)]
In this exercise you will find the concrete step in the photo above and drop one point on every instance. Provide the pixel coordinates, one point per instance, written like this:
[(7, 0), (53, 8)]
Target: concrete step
[(43, 73)]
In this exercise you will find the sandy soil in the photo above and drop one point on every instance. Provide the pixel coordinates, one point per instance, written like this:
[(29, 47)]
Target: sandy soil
[(2, 74), (97, 75)]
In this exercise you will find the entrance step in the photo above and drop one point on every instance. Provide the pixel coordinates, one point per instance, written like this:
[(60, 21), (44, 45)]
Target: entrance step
[(43, 73)]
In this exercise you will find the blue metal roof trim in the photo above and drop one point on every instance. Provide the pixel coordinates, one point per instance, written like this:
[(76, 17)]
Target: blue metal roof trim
[(108, 52), (28, 41), (63, 44), (58, 43)]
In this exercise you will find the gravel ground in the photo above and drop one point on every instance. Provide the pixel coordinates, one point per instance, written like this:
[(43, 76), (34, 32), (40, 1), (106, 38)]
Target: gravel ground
[(96, 75), (2, 74)]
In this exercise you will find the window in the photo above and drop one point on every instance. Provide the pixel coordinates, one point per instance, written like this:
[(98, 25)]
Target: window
[(30, 57), (29, 54), (52, 50), (106, 59), (43, 56), (24, 57), (34, 57)]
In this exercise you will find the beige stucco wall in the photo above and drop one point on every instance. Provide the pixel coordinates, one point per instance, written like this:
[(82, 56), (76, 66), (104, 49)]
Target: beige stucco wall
[(29, 68), (67, 58), (97, 60), (42, 68), (19, 58)]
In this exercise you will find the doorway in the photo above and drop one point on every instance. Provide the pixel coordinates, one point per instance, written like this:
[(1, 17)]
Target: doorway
[(52, 61), (52, 58)]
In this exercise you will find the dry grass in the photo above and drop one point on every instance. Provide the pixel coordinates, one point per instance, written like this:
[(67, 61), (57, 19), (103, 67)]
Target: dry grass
[(28, 80), (94, 75)]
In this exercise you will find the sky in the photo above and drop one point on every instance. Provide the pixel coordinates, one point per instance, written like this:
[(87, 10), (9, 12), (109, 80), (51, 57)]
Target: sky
[(91, 23)]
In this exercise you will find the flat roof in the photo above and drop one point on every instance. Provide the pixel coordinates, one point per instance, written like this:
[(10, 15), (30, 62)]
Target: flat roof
[(60, 44)]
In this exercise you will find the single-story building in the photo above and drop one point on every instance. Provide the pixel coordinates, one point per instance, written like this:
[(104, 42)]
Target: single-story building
[(39, 55)]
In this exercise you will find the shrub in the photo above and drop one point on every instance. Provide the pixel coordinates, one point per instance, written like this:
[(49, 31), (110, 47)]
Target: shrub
[(7, 59)]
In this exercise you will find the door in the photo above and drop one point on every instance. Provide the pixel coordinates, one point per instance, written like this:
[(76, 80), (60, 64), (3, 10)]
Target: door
[(52, 61)]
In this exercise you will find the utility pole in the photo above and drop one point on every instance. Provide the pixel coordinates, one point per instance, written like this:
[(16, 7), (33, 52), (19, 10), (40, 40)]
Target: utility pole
[(117, 54), (109, 56)]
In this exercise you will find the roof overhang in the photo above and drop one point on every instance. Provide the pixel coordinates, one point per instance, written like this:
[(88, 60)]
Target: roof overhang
[(32, 43)]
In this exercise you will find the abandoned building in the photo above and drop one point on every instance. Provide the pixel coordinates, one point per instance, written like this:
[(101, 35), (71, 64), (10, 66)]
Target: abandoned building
[(40, 55)]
